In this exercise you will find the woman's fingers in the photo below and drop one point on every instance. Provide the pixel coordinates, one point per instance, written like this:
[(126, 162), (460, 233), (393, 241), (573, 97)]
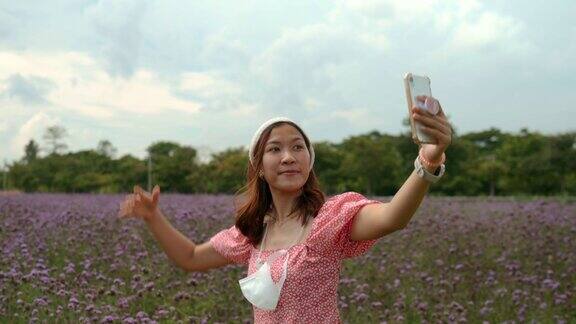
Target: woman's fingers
[(429, 105), (138, 190), (155, 195), (440, 136), (433, 122), (124, 208), (141, 196), (138, 202), (121, 210)]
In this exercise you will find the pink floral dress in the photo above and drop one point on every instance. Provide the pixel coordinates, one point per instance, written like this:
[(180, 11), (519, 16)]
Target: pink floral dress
[(309, 294)]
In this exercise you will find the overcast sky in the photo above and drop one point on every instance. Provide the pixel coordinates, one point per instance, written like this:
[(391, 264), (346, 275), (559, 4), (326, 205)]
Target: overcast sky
[(208, 73)]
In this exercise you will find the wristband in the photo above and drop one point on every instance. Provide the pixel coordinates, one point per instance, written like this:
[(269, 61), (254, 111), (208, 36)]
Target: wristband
[(431, 164)]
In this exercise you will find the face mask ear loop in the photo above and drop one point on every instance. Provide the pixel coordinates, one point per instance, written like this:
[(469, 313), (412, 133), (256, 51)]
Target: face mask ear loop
[(262, 243)]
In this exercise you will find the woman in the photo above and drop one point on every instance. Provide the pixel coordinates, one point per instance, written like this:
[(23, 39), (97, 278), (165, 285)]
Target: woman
[(292, 239)]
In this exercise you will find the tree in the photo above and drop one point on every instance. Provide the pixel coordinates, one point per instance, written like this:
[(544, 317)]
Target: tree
[(486, 162), (563, 158), (226, 172), (53, 136), (31, 151), (487, 141), (162, 149), (461, 158), (490, 169), (327, 166), (106, 148), (527, 158), (172, 165), (371, 164), (130, 171)]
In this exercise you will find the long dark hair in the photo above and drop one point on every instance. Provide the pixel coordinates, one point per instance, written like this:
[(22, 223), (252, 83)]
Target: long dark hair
[(255, 198)]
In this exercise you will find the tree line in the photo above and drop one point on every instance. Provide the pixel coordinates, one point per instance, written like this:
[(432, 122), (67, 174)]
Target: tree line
[(489, 162)]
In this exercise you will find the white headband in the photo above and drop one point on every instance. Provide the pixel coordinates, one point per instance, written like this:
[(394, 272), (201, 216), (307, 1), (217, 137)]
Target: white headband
[(261, 129)]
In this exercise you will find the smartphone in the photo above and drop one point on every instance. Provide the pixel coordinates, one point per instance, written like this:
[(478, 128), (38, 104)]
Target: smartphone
[(417, 85)]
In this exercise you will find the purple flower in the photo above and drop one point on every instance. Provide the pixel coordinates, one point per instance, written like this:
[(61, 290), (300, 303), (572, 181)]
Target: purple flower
[(560, 298), (141, 314), (42, 301), (109, 319), (550, 284), (361, 297), (376, 304), (129, 320), (149, 285), (422, 306)]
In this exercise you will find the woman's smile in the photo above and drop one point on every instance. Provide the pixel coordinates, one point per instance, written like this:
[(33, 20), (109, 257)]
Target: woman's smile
[(290, 173)]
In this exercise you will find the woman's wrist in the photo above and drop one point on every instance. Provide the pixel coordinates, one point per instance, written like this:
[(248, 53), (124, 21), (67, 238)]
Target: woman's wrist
[(431, 170), (154, 215), (428, 164)]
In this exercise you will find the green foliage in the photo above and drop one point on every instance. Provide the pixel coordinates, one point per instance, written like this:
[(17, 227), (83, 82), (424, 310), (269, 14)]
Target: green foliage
[(53, 137), (172, 164), (371, 164), (31, 151), (480, 163), (327, 166), (225, 173)]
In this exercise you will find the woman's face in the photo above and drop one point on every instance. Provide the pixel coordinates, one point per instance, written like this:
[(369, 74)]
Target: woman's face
[(286, 160)]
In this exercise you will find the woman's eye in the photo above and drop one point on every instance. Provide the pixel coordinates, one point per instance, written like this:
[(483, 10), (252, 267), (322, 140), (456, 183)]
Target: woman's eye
[(300, 147)]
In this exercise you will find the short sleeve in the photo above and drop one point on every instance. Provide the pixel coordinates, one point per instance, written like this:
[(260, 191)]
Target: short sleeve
[(334, 226), (232, 245)]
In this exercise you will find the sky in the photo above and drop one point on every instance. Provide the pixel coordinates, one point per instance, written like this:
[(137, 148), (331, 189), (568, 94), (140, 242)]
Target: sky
[(208, 73)]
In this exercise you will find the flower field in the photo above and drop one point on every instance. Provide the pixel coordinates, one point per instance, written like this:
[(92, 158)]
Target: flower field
[(68, 258)]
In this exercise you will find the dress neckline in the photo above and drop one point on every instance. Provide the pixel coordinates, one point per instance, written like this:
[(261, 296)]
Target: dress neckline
[(293, 245), (309, 234)]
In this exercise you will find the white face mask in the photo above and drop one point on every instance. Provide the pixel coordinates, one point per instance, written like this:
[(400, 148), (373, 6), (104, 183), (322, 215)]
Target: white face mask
[(259, 288)]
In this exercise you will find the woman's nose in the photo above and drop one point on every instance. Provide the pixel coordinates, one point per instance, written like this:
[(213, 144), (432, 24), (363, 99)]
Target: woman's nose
[(287, 157)]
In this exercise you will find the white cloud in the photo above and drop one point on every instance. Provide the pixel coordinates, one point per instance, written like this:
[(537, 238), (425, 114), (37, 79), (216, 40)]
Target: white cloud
[(387, 13), (462, 25), (488, 28), (206, 85), (356, 116), (83, 87), (3, 126), (302, 60), (142, 93), (33, 128), (244, 110), (118, 25)]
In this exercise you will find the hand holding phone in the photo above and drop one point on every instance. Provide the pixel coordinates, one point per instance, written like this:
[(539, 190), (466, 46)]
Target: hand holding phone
[(417, 86)]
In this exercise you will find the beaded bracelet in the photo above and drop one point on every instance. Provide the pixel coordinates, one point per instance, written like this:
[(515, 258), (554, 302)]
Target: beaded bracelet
[(430, 164)]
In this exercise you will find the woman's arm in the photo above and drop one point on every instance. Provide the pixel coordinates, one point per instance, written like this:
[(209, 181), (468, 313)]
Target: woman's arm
[(182, 251), (376, 220)]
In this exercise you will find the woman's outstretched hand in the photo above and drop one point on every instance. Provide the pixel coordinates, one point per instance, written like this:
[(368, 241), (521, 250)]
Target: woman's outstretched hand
[(436, 126), (140, 204)]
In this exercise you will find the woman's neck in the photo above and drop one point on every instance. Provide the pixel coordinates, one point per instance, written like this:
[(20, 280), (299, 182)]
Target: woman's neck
[(282, 206)]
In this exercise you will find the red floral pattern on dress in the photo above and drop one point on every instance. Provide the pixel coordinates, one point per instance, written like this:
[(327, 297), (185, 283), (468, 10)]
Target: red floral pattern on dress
[(310, 292)]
